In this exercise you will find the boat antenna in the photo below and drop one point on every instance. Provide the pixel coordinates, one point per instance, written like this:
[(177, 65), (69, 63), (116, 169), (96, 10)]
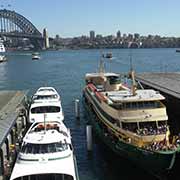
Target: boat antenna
[(131, 66)]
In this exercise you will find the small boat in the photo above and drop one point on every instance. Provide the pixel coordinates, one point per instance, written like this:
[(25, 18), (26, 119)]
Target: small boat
[(108, 55), (46, 153), (132, 122), (35, 56), (45, 102), (2, 48), (3, 58), (177, 50)]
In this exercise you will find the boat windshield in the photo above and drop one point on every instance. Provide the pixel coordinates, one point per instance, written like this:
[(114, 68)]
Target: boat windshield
[(45, 109), (46, 177), (45, 97), (46, 89), (29, 148)]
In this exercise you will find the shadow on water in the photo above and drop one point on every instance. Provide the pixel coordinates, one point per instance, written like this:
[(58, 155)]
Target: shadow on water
[(118, 167)]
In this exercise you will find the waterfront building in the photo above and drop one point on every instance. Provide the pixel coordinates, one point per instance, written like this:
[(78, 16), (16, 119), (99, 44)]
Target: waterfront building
[(124, 36), (99, 36)]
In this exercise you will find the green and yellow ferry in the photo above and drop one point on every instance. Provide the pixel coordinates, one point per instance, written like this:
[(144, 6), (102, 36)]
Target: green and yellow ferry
[(132, 122)]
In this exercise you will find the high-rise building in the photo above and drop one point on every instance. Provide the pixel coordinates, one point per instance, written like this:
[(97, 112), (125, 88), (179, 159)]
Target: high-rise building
[(124, 36), (46, 38), (130, 37), (136, 36), (118, 34), (92, 35)]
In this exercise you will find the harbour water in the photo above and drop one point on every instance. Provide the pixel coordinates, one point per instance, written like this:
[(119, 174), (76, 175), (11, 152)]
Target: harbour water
[(65, 71)]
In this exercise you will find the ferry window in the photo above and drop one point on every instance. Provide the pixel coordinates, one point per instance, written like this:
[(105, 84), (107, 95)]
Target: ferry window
[(140, 104), (116, 106), (157, 104), (128, 105), (162, 123), (130, 126), (134, 105), (143, 104)]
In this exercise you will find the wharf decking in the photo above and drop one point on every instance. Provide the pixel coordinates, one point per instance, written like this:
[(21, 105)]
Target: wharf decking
[(168, 83), (9, 102)]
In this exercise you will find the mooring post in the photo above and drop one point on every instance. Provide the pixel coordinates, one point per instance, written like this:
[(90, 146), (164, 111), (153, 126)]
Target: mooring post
[(77, 109), (2, 163), (89, 137)]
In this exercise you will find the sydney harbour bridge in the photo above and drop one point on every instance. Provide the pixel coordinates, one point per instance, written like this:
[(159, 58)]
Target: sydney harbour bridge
[(14, 25)]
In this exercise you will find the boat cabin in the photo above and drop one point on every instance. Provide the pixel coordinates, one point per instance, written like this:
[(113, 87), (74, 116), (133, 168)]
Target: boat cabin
[(40, 110), (45, 93), (105, 81)]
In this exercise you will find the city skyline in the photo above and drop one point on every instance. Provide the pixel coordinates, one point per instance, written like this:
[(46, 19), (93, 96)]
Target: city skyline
[(75, 18)]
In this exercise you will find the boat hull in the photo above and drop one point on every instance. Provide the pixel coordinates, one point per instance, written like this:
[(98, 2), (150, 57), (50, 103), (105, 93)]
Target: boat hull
[(154, 162)]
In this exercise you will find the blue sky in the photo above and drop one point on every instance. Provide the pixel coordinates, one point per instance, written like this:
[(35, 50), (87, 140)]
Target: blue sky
[(70, 18)]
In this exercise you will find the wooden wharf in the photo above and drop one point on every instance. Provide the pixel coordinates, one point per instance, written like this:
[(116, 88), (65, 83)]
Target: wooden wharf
[(12, 121), (168, 83)]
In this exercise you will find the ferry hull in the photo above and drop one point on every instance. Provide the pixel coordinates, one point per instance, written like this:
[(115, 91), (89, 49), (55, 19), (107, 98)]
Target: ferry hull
[(156, 163)]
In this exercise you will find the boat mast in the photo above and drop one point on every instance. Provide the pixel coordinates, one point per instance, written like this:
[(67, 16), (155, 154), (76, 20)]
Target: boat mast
[(101, 66), (45, 115), (132, 75)]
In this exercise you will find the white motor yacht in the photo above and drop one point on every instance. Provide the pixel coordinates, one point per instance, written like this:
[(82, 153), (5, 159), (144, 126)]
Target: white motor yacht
[(45, 102), (46, 153), (45, 93)]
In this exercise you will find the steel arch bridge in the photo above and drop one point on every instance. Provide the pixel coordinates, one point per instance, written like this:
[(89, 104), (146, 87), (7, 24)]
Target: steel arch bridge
[(13, 24)]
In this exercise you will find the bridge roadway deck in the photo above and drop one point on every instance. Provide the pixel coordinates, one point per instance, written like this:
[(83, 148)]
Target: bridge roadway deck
[(168, 83), (9, 103)]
